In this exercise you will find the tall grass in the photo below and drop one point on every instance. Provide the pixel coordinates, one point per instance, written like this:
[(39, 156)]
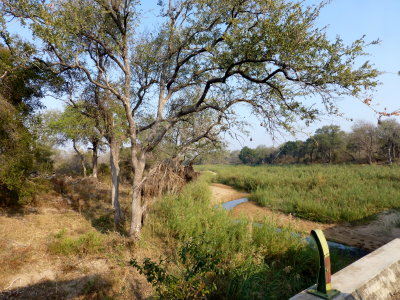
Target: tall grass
[(322, 193), (254, 262)]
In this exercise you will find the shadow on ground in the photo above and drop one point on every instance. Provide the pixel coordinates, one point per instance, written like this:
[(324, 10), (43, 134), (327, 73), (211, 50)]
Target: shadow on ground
[(87, 287)]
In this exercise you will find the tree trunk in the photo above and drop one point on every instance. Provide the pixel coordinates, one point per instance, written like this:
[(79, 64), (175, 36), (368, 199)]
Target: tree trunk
[(95, 157), (370, 150), (394, 152), (137, 207), (369, 158), (81, 158), (389, 155), (115, 176)]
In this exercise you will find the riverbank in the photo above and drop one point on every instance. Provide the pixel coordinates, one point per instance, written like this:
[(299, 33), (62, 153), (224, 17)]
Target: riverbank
[(369, 236)]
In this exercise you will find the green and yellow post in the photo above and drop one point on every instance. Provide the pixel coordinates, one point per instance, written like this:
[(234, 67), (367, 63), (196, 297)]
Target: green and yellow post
[(324, 285)]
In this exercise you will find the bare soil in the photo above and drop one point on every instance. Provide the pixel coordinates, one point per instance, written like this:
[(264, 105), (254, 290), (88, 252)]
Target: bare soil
[(222, 193), (30, 271), (369, 236)]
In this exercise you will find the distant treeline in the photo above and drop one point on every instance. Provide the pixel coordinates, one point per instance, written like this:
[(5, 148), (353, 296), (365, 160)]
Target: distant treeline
[(366, 143)]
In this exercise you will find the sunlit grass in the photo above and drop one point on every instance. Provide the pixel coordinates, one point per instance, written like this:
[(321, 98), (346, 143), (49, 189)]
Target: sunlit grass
[(322, 193), (256, 262), (89, 243)]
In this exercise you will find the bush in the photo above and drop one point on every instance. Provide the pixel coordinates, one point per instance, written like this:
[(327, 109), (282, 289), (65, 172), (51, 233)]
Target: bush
[(20, 155), (104, 169), (193, 276)]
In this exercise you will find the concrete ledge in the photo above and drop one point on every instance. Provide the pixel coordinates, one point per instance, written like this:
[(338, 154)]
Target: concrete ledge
[(373, 277)]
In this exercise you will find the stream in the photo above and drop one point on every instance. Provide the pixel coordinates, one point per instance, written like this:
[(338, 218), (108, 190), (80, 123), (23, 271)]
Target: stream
[(340, 248)]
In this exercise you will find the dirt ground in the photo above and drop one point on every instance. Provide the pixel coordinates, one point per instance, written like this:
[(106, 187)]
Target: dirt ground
[(223, 193), (368, 236), (30, 271)]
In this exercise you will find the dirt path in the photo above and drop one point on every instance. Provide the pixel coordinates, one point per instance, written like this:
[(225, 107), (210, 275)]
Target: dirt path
[(369, 236), (223, 193)]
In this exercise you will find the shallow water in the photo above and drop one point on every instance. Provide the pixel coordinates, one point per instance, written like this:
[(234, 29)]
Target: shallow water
[(341, 248), (231, 204)]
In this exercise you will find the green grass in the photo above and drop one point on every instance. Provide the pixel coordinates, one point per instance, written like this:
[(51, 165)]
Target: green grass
[(254, 262), (325, 193), (88, 243)]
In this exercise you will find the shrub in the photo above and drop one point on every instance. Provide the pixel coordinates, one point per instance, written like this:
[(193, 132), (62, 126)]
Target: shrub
[(190, 276)]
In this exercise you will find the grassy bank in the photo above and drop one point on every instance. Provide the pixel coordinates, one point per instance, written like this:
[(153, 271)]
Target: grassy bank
[(213, 256), (322, 193)]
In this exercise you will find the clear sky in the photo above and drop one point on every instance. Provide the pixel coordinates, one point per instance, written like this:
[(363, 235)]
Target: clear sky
[(350, 19)]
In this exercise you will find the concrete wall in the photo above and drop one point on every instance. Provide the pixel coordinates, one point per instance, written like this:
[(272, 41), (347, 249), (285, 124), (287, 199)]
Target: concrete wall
[(373, 277)]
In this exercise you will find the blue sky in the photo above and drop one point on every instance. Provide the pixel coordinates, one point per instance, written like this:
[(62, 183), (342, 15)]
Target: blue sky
[(350, 19)]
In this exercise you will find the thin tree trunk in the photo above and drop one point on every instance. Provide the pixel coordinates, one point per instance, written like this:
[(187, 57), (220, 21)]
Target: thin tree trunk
[(370, 151), (137, 207), (394, 152), (115, 177), (81, 158), (389, 155), (95, 157), (369, 158)]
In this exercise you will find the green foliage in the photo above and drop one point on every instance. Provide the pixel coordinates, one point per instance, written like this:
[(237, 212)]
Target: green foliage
[(25, 82), (273, 65), (22, 84), (88, 243), (17, 161), (259, 155), (329, 139), (318, 193), (247, 155), (366, 142), (250, 263), (196, 265), (71, 124), (104, 169)]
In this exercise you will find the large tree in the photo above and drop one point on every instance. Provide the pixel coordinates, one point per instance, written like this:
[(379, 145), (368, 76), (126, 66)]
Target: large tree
[(388, 133), (108, 116), (330, 140), (267, 54), (363, 138)]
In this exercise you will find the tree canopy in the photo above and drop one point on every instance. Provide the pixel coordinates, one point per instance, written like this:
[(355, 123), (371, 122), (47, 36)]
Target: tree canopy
[(206, 57)]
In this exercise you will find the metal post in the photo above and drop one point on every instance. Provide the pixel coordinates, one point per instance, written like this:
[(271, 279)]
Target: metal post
[(324, 286)]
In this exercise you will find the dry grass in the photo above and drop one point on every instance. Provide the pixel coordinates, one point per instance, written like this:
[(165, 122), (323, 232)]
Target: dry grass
[(55, 251), (168, 176)]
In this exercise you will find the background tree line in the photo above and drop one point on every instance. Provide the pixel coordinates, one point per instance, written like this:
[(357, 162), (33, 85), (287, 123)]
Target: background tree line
[(365, 143)]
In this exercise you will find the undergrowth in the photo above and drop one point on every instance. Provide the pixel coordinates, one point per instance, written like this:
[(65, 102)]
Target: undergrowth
[(237, 260)]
